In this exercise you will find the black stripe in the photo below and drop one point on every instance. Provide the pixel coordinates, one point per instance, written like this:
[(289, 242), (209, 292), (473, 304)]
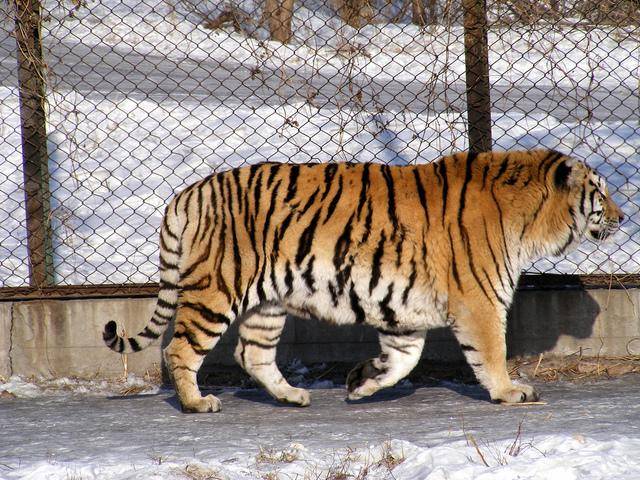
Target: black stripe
[(306, 239), (402, 349), (310, 202), (493, 289), (208, 332), (236, 177), (272, 174), (254, 343), (514, 175), (166, 225), (342, 244), (412, 280), (493, 256), (148, 333), (395, 333), (471, 157), (376, 263), (503, 168), (272, 206), (355, 305), (456, 277), (334, 201), (329, 172), (260, 283), (164, 304), (192, 341), (160, 323), (200, 205), (505, 250), (388, 314), (485, 171), (204, 256), (164, 265), (391, 204), (185, 211), (206, 313), (135, 346), (307, 275), (221, 282), (201, 284), (165, 285), (163, 243), (257, 192), (294, 171), (445, 187), (399, 246), (288, 278), (364, 188), (367, 223), (333, 291), (253, 169), (548, 162), (421, 194), (265, 328)]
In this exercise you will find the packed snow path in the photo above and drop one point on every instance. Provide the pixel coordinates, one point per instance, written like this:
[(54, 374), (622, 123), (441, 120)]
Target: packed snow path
[(585, 431)]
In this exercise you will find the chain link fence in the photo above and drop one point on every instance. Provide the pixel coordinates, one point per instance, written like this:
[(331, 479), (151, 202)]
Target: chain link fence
[(142, 98)]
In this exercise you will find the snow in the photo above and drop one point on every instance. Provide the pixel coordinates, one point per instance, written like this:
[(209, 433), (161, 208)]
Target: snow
[(121, 144), (585, 431)]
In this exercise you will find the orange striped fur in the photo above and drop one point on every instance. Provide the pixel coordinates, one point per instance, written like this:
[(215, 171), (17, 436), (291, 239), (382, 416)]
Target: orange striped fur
[(403, 249)]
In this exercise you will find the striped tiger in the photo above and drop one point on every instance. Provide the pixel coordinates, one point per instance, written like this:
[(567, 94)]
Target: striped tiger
[(401, 248)]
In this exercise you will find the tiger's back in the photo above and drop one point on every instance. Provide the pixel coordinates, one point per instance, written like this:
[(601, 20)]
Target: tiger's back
[(403, 249)]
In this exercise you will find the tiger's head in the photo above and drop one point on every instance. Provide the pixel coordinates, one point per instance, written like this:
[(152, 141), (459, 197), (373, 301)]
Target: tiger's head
[(593, 213)]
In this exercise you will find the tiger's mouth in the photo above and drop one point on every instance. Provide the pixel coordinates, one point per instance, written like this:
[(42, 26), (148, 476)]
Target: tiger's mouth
[(603, 232)]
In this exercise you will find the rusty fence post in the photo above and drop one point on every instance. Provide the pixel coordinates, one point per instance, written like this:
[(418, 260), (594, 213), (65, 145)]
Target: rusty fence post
[(31, 78), (476, 58)]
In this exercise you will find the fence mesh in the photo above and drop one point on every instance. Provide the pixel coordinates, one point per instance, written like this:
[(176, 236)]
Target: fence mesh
[(144, 97)]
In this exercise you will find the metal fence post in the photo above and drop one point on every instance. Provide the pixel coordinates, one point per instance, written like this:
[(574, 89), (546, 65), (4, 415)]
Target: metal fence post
[(477, 74), (31, 78)]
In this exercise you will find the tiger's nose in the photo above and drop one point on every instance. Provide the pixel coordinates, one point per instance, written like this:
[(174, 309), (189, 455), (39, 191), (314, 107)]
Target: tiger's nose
[(620, 217)]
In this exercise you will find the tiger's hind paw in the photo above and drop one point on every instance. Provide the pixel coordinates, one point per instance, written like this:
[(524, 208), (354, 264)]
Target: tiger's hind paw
[(518, 393), (208, 404), (361, 381)]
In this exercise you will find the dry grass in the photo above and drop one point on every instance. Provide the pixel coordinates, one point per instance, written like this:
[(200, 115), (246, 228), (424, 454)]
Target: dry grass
[(574, 367), (197, 472), (271, 456)]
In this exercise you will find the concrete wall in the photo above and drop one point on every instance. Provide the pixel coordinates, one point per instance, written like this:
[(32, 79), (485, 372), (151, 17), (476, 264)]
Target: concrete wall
[(53, 338)]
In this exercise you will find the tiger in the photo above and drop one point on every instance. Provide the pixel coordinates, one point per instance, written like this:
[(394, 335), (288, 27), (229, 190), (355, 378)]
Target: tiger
[(403, 249)]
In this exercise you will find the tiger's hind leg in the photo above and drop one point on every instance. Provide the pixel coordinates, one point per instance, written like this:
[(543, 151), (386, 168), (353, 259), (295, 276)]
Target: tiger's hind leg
[(258, 338), (197, 330), (399, 354)]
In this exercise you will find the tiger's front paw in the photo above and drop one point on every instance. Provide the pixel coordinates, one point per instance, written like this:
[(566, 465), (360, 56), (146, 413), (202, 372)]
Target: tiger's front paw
[(202, 405), (517, 393), (295, 396)]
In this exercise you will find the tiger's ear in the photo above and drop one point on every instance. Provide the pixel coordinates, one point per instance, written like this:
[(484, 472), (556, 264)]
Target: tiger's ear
[(562, 174)]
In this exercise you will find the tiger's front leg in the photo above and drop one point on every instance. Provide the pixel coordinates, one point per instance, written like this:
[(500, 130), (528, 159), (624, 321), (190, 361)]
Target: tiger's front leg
[(400, 353), (481, 334)]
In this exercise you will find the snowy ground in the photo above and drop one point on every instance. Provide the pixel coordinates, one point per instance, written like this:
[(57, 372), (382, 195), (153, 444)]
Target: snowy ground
[(143, 100), (443, 431)]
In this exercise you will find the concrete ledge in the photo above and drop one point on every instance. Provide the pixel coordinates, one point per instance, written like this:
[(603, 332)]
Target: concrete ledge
[(54, 338)]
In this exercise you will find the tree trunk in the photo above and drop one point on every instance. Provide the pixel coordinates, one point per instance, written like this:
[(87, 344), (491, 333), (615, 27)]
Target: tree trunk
[(477, 74), (31, 80), (279, 14)]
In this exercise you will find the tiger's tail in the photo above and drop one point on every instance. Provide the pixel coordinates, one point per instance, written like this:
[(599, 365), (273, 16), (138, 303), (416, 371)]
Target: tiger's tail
[(167, 303)]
